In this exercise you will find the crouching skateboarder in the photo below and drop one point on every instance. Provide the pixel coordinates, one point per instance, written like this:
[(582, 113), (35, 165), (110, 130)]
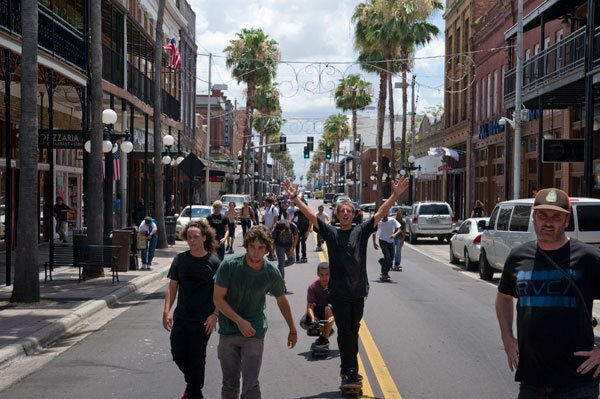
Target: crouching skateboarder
[(318, 319)]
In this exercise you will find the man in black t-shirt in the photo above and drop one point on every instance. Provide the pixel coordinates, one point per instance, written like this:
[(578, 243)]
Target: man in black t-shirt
[(220, 223), (61, 213), (348, 284), (555, 280), (194, 319), (304, 228)]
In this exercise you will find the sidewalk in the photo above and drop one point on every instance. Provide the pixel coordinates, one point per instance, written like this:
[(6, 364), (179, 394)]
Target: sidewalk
[(26, 328)]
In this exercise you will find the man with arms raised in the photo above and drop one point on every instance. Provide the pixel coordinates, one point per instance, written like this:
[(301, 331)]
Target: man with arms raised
[(241, 284), (348, 284), (555, 280)]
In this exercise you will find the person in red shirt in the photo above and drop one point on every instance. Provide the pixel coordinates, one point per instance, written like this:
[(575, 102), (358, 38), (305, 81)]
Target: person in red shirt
[(319, 305)]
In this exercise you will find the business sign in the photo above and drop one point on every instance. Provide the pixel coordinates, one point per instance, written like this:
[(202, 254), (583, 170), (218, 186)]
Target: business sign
[(71, 139), (562, 150)]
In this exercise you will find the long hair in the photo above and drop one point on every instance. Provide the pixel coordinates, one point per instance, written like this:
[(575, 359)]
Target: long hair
[(210, 243), (259, 233)]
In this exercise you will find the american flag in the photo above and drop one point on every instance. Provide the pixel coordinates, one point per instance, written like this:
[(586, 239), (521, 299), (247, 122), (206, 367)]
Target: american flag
[(175, 59), (116, 156)]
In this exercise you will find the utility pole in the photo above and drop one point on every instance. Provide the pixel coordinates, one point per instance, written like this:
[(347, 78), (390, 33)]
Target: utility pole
[(519, 81), (208, 101), (412, 137)]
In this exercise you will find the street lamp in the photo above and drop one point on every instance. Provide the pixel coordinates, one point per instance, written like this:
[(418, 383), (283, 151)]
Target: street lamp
[(168, 160), (410, 171), (111, 145)]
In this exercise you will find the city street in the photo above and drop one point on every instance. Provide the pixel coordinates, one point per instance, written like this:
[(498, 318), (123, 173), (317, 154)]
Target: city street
[(429, 333)]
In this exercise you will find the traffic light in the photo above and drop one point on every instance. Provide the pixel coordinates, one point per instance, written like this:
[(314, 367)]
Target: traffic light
[(306, 152), (282, 145), (328, 152), (310, 141)]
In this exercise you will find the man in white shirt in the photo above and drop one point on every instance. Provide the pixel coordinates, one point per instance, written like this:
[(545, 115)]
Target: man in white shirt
[(325, 218), (271, 213), (386, 229)]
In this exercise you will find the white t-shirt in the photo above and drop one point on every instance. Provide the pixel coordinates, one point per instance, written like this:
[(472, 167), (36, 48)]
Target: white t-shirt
[(271, 215), (291, 213), (323, 216), (147, 227), (386, 229)]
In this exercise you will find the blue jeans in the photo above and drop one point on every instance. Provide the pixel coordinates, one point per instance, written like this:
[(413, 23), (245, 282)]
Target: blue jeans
[(243, 355), (579, 392), (148, 252), (221, 251), (282, 256), (398, 256)]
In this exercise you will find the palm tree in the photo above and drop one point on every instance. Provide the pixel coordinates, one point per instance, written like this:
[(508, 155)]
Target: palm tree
[(268, 112), (27, 282), (352, 94), (252, 58), (159, 212), (336, 130), (95, 195)]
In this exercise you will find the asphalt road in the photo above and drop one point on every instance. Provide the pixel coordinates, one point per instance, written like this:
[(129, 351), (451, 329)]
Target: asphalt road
[(430, 333)]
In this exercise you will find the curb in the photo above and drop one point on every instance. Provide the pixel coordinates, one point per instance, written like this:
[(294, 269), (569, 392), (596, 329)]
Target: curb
[(57, 329)]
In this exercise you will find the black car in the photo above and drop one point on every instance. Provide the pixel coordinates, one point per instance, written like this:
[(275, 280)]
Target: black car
[(358, 216), (328, 197)]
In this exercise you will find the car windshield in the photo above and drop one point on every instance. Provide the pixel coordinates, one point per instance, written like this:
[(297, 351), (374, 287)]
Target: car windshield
[(434, 209), (201, 212), (226, 199)]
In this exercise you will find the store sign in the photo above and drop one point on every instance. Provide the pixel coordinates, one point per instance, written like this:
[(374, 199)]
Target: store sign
[(444, 167), (71, 139)]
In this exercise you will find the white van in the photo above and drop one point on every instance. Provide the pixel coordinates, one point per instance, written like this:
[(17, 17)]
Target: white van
[(511, 225)]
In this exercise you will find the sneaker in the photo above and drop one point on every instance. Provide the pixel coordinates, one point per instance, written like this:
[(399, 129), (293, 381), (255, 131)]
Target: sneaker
[(290, 261), (303, 260), (322, 341), (148, 267)]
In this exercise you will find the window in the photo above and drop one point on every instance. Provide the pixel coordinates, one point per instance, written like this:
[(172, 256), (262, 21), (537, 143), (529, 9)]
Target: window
[(495, 110), (434, 209), (483, 116), (520, 218), (503, 76), (489, 93), (465, 228), (588, 217), (532, 165), (532, 144), (528, 54), (477, 102), (500, 169), (536, 49), (493, 216), (504, 218)]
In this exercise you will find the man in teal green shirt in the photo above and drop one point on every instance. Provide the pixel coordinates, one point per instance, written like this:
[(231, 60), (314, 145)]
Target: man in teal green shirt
[(241, 285)]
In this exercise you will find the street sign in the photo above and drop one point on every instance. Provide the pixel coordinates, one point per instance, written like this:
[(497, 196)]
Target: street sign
[(562, 150), (71, 139)]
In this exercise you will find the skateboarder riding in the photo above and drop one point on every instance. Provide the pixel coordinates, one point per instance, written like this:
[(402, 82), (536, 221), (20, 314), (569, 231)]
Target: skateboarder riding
[(348, 285), (319, 306)]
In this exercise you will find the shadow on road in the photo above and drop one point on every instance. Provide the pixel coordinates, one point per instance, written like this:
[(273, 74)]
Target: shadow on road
[(333, 353)]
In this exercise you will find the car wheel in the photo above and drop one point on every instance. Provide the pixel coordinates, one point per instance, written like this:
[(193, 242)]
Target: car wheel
[(453, 259), (412, 237), (485, 270), (468, 263), (441, 238)]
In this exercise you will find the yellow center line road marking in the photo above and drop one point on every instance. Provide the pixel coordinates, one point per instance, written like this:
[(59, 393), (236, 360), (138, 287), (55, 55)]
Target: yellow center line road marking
[(382, 373), (386, 382)]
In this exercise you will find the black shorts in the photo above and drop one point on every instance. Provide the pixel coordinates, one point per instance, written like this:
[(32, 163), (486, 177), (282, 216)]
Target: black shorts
[(231, 229), (319, 312)]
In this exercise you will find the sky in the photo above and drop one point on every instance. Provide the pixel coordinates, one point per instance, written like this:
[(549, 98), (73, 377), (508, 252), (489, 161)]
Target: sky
[(316, 41)]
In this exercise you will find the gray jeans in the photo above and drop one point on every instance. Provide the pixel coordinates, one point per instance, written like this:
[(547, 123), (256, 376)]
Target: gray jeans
[(240, 354)]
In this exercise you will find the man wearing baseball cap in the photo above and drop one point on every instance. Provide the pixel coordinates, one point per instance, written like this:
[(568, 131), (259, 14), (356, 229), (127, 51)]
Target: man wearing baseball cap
[(555, 280)]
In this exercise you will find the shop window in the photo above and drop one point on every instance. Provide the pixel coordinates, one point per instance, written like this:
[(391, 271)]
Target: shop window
[(500, 170)]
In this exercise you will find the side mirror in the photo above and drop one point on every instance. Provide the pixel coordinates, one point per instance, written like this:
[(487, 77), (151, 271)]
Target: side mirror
[(176, 215)]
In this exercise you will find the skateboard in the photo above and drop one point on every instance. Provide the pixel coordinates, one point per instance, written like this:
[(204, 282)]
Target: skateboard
[(351, 390), (319, 350), (384, 278)]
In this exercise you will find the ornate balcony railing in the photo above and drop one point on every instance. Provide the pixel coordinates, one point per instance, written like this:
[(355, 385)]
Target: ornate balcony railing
[(55, 35), (142, 87), (549, 66), (112, 66), (171, 106)]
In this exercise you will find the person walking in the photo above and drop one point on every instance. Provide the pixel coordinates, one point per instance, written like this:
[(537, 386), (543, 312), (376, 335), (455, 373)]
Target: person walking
[(285, 238), (246, 217), (195, 317), (61, 214), (149, 227), (386, 228), (326, 219), (348, 284), (255, 207), (241, 285), (555, 279), (232, 216), (399, 237), (270, 217), (221, 225), (478, 210)]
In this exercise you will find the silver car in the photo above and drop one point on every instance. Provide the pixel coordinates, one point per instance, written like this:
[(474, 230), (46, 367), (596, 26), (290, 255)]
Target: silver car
[(190, 213), (430, 219), (465, 244)]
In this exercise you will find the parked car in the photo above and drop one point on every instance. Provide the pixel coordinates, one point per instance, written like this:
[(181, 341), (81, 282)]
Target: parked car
[(367, 207), (511, 225), (328, 197), (190, 213), (406, 210), (239, 200), (465, 244), (430, 219), (357, 219), (340, 198)]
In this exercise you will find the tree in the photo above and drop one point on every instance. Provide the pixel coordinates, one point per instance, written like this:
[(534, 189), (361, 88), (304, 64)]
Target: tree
[(159, 211), (268, 118), (352, 94), (27, 282), (336, 130), (95, 195), (252, 58)]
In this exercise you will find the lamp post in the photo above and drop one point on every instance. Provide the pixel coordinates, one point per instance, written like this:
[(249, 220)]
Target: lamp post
[(167, 159), (109, 145), (410, 170)]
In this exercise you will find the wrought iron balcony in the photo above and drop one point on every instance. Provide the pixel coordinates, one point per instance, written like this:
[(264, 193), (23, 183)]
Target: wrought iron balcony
[(559, 66), (55, 35), (171, 106), (142, 87), (112, 66)]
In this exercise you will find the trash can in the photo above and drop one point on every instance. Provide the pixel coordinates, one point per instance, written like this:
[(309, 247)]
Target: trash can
[(123, 239), (170, 222), (133, 260)]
